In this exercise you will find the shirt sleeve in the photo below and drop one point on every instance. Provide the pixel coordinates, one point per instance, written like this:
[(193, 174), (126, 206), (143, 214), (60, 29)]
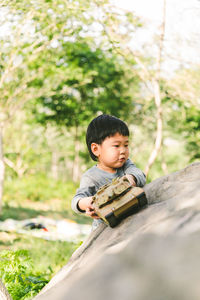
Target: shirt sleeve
[(87, 188), (130, 168)]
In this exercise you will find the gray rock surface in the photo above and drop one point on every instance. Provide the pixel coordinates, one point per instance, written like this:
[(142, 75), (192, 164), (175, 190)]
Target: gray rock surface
[(4, 295), (152, 255)]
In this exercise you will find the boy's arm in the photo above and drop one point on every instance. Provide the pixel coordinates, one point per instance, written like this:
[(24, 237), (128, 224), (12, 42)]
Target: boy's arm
[(86, 189), (138, 176), (85, 204), (131, 179), (81, 203)]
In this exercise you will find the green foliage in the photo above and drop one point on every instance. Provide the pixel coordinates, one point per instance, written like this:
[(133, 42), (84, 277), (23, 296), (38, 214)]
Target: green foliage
[(26, 272), (16, 271), (95, 81), (192, 128), (48, 256), (37, 194), (61, 58), (38, 187), (182, 120)]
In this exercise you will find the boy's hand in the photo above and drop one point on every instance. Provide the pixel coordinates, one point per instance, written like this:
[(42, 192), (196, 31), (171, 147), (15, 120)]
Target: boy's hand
[(86, 205), (131, 179)]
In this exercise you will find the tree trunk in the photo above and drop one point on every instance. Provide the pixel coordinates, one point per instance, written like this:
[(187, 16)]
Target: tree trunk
[(158, 141), (17, 167), (157, 97), (54, 164), (2, 167)]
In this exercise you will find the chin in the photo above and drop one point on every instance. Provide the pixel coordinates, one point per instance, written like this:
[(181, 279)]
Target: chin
[(120, 164)]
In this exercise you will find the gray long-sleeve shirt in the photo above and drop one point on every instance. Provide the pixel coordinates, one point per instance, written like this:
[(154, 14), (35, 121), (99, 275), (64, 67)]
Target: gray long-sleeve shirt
[(94, 178)]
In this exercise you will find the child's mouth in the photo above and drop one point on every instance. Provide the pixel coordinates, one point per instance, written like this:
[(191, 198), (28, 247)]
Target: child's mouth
[(122, 159)]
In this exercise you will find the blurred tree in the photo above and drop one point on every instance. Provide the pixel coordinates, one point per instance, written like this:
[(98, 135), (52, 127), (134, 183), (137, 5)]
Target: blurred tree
[(182, 105), (192, 128), (32, 36), (149, 75), (186, 86), (97, 84), (156, 103), (29, 29), (71, 60)]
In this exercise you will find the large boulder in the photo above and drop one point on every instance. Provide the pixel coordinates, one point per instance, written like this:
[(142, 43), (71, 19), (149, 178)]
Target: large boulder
[(152, 255)]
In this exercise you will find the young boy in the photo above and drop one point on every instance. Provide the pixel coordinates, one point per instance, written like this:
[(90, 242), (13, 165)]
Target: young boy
[(107, 140)]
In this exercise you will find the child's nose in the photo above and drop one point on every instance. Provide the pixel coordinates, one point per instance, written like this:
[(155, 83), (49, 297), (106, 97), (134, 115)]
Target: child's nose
[(122, 150)]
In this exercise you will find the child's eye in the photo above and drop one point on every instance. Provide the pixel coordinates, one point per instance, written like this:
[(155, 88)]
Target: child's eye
[(126, 146), (116, 146)]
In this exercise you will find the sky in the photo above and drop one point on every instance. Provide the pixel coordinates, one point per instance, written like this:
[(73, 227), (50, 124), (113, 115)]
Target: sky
[(182, 39)]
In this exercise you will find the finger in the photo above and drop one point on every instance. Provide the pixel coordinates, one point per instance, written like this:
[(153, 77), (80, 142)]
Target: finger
[(95, 217), (89, 213), (92, 214), (90, 206), (89, 210), (131, 179)]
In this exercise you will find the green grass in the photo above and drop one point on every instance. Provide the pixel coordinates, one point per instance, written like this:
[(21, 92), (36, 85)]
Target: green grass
[(48, 256), (39, 188), (18, 212), (26, 272), (27, 198), (38, 194)]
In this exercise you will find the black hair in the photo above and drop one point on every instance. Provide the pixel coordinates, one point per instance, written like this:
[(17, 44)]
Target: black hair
[(102, 127)]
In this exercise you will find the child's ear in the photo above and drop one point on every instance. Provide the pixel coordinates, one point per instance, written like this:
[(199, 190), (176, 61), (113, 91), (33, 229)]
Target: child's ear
[(95, 149)]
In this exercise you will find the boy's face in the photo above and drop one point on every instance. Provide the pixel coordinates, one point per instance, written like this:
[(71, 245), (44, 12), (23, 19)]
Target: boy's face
[(112, 153)]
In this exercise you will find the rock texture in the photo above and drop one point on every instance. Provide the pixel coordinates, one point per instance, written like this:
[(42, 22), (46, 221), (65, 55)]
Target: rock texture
[(4, 295), (152, 255)]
